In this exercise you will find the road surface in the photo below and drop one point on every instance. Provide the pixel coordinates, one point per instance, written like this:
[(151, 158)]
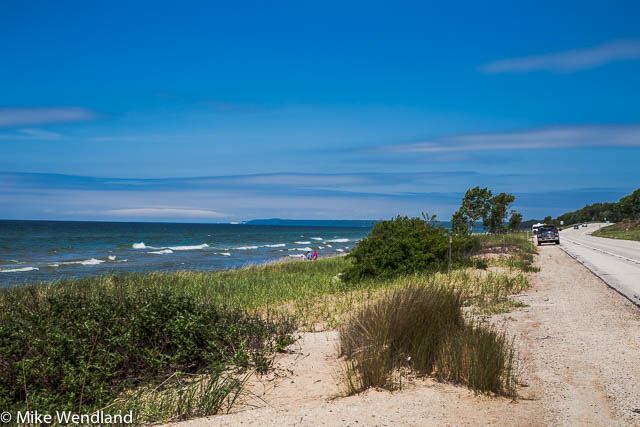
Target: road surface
[(616, 262)]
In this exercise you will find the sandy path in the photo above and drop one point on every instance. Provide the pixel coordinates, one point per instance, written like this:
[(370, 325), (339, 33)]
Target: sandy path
[(578, 339)]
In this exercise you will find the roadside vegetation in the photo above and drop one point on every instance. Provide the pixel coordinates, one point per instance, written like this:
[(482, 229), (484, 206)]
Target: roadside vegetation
[(171, 346), (625, 230)]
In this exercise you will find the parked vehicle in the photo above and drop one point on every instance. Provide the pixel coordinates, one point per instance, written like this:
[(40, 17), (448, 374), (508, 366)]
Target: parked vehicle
[(576, 227), (584, 224), (535, 227), (548, 233)]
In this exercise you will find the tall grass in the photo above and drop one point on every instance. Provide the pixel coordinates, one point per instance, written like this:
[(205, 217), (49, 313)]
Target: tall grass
[(423, 330), (179, 344)]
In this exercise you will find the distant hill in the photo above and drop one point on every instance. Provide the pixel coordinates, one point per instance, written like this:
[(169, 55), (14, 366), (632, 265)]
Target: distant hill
[(364, 223)]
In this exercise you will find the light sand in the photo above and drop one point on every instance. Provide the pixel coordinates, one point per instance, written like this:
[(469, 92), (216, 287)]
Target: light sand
[(579, 342)]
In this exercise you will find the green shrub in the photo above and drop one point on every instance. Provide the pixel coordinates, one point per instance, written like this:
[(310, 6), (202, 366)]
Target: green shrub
[(403, 245), (77, 349), (422, 329)]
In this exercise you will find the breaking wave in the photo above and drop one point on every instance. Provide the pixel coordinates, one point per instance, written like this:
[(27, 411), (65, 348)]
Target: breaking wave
[(18, 270)]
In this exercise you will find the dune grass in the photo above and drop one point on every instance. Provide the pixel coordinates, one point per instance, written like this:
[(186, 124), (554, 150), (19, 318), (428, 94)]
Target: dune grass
[(175, 345), (422, 330)]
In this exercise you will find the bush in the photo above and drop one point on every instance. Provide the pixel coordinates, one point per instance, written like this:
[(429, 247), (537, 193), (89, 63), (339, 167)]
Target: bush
[(78, 349), (402, 245), (422, 329)]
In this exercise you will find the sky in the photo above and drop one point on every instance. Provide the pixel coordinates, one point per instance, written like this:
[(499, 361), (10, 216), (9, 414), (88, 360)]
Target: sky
[(226, 111)]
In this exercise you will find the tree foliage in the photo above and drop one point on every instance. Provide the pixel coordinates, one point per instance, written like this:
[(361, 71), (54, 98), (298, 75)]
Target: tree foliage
[(475, 205), (628, 207), (402, 245), (495, 219), (514, 221)]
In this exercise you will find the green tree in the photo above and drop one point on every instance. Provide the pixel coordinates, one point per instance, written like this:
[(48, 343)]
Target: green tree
[(459, 223), (475, 205), (547, 219), (515, 220), (496, 216)]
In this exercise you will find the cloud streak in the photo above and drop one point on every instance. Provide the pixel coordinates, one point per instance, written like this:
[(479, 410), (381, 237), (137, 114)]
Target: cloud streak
[(568, 61), (21, 116), (153, 212), (555, 137)]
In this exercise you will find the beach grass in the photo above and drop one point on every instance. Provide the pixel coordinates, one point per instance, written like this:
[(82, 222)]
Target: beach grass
[(163, 322)]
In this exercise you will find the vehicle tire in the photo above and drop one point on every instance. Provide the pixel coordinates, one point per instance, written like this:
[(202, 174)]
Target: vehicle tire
[(558, 242), (539, 244)]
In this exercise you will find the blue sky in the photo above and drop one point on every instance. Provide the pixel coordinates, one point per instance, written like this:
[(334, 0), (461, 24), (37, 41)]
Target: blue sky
[(206, 111)]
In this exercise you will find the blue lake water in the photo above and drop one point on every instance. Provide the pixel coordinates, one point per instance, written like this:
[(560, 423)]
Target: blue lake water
[(34, 251)]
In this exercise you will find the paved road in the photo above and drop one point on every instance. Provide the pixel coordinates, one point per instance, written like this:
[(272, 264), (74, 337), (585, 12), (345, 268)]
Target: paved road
[(617, 262)]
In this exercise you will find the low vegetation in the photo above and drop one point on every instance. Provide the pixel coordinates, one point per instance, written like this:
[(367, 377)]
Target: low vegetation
[(171, 346), (625, 230), (79, 348)]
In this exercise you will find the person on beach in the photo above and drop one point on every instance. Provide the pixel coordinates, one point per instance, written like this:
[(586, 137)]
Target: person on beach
[(309, 256), (315, 254)]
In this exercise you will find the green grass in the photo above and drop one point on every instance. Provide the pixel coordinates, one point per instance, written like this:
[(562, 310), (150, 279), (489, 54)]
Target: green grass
[(422, 330), (175, 345), (626, 230)]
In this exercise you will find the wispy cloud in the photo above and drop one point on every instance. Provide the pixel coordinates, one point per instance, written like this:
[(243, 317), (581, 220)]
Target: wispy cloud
[(165, 212), (555, 137), (21, 116), (568, 61)]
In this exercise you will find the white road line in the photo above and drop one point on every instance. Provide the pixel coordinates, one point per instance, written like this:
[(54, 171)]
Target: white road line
[(635, 261)]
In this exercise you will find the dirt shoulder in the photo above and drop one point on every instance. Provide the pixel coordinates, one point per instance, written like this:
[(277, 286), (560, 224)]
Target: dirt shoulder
[(579, 342)]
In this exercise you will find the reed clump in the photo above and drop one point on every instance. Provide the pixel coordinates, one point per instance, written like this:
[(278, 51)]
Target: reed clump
[(421, 330)]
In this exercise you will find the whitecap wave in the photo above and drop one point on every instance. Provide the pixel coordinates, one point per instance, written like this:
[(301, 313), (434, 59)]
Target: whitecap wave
[(297, 256), (161, 252), (54, 265), (19, 270), (340, 250), (304, 249), (246, 248), (316, 238), (329, 246), (188, 248), (304, 242), (90, 261), (224, 253), (338, 240), (277, 245), (140, 245), (112, 257)]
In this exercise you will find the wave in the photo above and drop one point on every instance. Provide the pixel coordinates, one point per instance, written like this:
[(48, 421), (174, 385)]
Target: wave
[(224, 253), (302, 243), (297, 256), (316, 238), (245, 248), (338, 240), (340, 250), (277, 245), (304, 249), (18, 270), (187, 248), (90, 261), (141, 245), (329, 246), (54, 265), (112, 257), (161, 252)]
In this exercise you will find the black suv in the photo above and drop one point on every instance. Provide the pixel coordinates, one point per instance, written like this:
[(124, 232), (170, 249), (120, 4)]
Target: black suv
[(548, 234)]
